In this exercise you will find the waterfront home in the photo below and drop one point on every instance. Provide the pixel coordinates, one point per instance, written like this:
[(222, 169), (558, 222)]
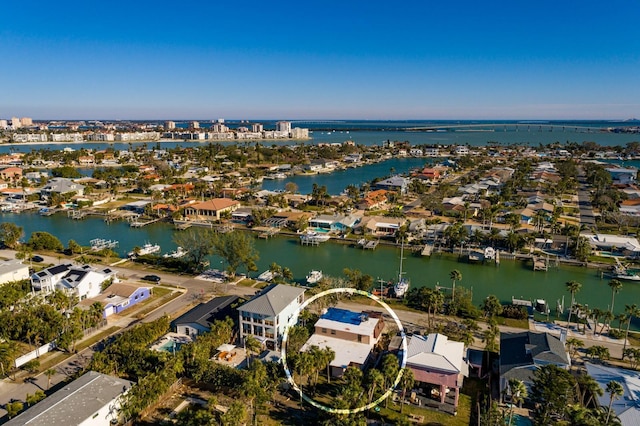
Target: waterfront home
[(118, 297), (417, 229), (268, 313), (629, 246), (92, 399), (432, 152), (314, 166), (416, 152), (61, 186), (352, 158), (351, 336), (210, 210), (295, 200), (11, 173), (522, 353), (461, 150), (526, 215), (394, 183), (380, 226), (242, 215), (47, 279), (13, 270), (198, 320), (627, 407), (431, 174), (438, 365), (622, 176)]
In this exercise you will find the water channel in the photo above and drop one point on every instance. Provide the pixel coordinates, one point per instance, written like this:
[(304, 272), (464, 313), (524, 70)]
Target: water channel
[(510, 278)]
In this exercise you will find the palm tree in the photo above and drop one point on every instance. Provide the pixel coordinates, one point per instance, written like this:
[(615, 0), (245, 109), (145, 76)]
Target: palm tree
[(49, 373), (573, 287), (615, 390), (615, 286), (631, 311), (375, 381), (455, 275), (251, 346), (406, 382), (518, 395), (588, 385), (573, 344)]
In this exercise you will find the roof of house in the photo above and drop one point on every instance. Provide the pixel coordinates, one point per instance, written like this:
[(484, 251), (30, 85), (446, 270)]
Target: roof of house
[(272, 300), (528, 348), (347, 321), (626, 408), (75, 402), (203, 313), (11, 265), (346, 352), (215, 204), (436, 352), (54, 270)]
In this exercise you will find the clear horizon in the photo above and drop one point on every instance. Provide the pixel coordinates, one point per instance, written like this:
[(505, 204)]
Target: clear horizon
[(460, 60)]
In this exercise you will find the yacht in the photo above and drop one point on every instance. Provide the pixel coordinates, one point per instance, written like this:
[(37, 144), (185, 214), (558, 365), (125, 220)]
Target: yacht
[(176, 254), (314, 277), (402, 285), (148, 248), (313, 237)]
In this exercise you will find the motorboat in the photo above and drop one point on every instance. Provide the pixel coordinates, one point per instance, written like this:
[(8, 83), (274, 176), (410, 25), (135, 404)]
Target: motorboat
[(148, 248), (266, 276), (176, 254), (313, 237), (314, 277)]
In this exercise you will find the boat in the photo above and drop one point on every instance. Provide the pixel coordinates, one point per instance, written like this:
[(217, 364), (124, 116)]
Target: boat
[(313, 237), (490, 253), (148, 248), (541, 306), (402, 285), (266, 276), (176, 254), (274, 176), (314, 277), (621, 272), (476, 256)]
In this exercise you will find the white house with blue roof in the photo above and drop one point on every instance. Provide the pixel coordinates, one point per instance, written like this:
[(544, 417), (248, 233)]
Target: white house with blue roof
[(627, 408)]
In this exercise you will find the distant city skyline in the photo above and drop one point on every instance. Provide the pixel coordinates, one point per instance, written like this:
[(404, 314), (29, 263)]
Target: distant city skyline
[(341, 60)]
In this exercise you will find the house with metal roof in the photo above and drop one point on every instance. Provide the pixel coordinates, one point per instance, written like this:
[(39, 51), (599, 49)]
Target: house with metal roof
[(268, 313), (61, 186), (394, 183), (438, 364), (93, 399), (627, 408), (198, 320), (522, 353)]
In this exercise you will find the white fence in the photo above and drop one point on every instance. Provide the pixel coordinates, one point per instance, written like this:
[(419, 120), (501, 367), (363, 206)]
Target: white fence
[(35, 354)]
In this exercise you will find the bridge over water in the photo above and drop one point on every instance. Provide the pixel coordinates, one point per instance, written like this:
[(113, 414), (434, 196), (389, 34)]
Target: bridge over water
[(525, 127)]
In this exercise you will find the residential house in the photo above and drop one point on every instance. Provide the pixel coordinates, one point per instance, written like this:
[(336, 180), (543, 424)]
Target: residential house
[(382, 226), (352, 158), (438, 364), (416, 152), (314, 166), (61, 186), (622, 176), (13, 270), (627, 406), (267, 314), (628, 246), (118, 297), (394, 183), (211, 210), (526, 215), (92, 399), (351, 336), (198, 320), (11, 173), (373, 200), (47, 279), (431, 174), (461, 150), (522, 353), (82, 281)]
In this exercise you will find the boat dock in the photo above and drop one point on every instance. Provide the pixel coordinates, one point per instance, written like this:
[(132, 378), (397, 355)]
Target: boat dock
[(266, 232), (76, 214), (427, 250), (140, 224), (182, 226), (540, 264), (521, 302), (368, 245), (100, 244)]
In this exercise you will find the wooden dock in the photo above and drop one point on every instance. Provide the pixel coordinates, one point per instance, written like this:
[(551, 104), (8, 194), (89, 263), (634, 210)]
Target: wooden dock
[(427, 250), (368, 244), (183, 226), (266, 232), (140, 224), (540, 264), (76, 214)]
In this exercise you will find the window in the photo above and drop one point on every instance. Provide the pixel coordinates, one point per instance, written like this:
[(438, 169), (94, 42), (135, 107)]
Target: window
[(360, 338), (324, 331), (333, 332)]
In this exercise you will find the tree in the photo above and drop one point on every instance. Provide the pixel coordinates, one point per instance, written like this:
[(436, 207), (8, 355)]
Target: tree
[(552, 390), (252, 346), (631, 311), (588, 385), (13, 408), (44, 241), (197, 244), (10, 234), (237, 249), (615, 286), (573, 287), (491, 306), (49, 373), (573, 344), (518, 392), (357, 279), (74, 247), (291, 187), (615, 391), (454, 275), (390, 369), (375, 381), (407, 381), (235, 415)]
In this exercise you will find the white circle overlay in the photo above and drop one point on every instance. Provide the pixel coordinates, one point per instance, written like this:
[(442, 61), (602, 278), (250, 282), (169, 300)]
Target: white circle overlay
[(294, 320)]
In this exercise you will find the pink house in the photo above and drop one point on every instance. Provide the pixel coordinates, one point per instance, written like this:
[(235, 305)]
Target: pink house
[(438, 365)]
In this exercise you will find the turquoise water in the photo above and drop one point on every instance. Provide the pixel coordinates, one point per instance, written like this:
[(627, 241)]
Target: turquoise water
[(169, 346), (510, 279), (521, 421)]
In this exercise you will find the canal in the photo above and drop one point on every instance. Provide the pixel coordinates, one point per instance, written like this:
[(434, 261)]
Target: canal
[(509, 279)]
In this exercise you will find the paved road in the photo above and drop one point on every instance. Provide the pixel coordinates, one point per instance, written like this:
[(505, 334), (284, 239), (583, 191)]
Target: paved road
[(587, 217)]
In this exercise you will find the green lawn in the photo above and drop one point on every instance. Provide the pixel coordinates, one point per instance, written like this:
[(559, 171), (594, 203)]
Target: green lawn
[(523, 323)]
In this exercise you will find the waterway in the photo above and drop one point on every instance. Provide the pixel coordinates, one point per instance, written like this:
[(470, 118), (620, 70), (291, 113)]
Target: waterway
[(510, 278)]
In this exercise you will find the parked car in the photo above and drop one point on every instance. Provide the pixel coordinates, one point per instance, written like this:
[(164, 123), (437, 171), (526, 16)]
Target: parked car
[(152, 278), (37, 259)]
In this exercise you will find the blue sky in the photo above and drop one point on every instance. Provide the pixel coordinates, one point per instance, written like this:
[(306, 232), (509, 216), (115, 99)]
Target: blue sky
[(331, 59)]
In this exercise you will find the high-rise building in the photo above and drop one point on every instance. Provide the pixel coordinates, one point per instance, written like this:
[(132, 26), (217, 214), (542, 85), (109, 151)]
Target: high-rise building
[(169, 125), (4, 124), (194, 125), (26, 121), (283, 126), (15, 123), (257, 127)]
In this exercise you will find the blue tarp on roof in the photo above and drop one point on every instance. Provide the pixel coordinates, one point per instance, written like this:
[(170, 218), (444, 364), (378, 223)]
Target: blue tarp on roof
[(344, 316)]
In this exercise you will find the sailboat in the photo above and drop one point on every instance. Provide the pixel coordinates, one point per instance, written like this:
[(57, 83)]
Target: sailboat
[(402, 285)]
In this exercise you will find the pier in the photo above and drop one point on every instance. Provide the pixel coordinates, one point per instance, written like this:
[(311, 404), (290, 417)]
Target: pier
[(140, 224), (540, 264), (266, 232), (101, 244), (427, 250), (368, 245), (76, 214)]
